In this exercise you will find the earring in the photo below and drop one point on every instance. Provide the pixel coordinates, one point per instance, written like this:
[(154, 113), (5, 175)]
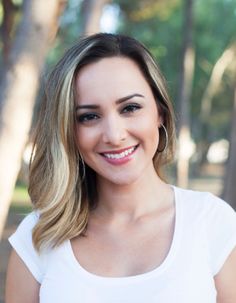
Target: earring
[(163, 148), (82, 167)]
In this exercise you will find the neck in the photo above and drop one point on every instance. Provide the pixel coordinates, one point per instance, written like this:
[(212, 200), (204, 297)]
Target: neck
[(130, 201)]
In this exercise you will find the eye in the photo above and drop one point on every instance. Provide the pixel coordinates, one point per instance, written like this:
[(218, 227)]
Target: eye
[(86, 118), (130, 108)]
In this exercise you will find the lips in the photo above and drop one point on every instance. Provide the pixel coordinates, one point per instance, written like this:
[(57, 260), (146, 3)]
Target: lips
[(119, 154)]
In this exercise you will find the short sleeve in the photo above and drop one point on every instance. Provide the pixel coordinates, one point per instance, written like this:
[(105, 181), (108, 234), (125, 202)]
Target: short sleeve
[(22, 243), (221, 232)]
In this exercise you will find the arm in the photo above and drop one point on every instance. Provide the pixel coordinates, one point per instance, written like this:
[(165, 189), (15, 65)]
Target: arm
[(225, 280), (21, 287)]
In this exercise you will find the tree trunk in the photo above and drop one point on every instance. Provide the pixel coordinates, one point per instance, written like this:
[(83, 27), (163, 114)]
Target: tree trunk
[(19, 88), (229, 192), (227, 57), (91, 12), (6, 29), (214, 83), (185, 91)]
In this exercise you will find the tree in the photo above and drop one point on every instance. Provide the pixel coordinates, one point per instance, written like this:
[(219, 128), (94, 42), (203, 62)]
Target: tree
[(185, 90), (11, 13), (91, 11), (214, 82), (7, 25), (156, 22), (213, 86), (79, 18), (19, 88), (229, 192)]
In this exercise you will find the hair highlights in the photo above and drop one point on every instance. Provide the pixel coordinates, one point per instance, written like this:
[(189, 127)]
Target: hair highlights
[(61, 186)]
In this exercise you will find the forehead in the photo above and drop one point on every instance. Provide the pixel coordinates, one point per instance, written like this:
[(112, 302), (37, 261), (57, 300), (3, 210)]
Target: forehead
[(110, 76)]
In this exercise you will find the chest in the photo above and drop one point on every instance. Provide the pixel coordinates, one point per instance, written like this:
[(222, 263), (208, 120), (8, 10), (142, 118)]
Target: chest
[(183, 278), (125, 253)]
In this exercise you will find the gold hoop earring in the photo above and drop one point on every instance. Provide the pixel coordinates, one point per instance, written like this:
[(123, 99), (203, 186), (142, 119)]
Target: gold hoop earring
[(163, 148)]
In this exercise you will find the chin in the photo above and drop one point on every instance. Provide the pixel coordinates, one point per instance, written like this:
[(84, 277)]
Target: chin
[(122, 180)]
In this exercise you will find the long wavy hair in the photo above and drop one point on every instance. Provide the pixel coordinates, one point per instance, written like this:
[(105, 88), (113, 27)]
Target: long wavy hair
[(63, 188)]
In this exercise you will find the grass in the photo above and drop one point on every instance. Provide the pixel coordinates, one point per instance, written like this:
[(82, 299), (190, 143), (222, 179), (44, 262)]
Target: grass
[(20, 200), (20, 209), (20, 195)]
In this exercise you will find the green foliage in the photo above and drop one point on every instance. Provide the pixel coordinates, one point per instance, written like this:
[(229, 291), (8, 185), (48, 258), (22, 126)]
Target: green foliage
[(159, 28), (17, 2), (214, 30), (20, 203), (70, 30), (20, 195), (1, 13), (20, 208), (159, 25)]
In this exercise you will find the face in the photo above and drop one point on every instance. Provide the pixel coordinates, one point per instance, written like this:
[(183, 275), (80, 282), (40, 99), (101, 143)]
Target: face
[(117, 120)]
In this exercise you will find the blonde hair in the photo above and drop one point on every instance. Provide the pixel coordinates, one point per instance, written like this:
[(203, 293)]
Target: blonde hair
[(63, 188)]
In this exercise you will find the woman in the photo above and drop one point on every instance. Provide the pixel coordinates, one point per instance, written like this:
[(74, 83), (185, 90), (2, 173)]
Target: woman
[(106, 227)]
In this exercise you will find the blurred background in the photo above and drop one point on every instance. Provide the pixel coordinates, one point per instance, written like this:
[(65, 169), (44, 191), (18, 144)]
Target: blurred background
[(194, 43)]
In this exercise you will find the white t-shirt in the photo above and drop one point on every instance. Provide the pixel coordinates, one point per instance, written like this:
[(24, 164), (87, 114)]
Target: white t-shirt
[(204, 236)]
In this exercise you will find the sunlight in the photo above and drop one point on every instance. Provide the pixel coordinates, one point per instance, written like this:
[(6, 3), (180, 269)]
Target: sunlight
[(109, 19)]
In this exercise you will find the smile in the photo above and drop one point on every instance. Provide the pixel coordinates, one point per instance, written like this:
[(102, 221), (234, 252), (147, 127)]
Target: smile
[(119, 155)]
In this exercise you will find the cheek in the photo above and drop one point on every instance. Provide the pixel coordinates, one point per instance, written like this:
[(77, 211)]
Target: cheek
[(85, 139), (149, 132), (148, 126)]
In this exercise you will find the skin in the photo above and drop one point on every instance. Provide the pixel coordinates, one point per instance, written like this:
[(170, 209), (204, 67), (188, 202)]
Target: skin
[(135, 208), (225, 280), (21, 287), (122, 225), (113, 124)]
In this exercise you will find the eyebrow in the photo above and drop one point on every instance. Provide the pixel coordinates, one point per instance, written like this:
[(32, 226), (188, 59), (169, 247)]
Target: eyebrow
[(118, 101)]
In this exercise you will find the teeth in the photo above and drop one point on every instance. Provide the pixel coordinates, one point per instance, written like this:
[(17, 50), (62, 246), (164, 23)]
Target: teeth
[(121, 155)]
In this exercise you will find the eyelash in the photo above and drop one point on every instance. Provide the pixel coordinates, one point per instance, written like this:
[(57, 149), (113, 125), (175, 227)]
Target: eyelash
[(90, 117), (130, 108), (87, 117)]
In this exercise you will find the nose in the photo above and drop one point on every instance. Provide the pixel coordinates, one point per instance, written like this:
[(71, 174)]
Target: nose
[(114, 131)]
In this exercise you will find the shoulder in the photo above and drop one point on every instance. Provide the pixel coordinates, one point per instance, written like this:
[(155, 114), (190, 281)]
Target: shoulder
[(27, 224), (215, 218), (204, 203), (21, 241), (30, 220)]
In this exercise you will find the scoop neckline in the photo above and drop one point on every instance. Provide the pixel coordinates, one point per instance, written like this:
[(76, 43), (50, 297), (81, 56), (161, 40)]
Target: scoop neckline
[(143, 276)]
